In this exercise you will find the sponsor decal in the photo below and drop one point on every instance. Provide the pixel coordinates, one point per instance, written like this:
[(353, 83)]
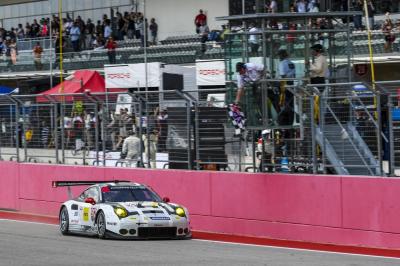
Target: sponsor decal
[(160, 218), (73, 221), (109, 223), (132, 218), (80, 208), (212, 72), (93, 212), (76, 213), (86, 214), (154, 205), (119, 75)]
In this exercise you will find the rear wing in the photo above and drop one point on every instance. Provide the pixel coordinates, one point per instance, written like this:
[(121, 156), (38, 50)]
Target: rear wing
[(70, 184), (56, 184)]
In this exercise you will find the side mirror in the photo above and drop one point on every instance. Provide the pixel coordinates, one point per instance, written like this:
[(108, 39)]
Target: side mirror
[(90, 200), (166, 199)]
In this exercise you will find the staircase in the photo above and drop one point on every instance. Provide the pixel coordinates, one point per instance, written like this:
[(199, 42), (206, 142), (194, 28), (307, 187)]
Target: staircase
[(346, 150)]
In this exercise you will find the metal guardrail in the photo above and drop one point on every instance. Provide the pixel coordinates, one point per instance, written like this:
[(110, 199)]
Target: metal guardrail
[(196, 133)]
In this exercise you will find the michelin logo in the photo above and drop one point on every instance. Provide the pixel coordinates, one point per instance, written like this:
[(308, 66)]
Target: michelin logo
[(160, 218)]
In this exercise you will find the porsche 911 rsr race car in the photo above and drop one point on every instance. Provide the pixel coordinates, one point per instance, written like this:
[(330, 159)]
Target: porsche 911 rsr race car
[(121, 209)]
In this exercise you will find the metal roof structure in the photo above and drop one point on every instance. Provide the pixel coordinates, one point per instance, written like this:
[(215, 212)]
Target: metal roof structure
[(290, 15), (14, 2)]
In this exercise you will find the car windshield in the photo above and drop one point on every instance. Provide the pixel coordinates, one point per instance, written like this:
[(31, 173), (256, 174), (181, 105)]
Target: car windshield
[(128, 193)]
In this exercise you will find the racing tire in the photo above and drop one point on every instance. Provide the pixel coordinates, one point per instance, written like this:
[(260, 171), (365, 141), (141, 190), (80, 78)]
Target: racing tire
[(101, 225), (64, 221)]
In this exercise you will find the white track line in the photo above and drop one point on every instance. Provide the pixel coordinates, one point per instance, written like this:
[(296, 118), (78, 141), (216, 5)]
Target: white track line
[(298, 249), (19, 221), (243, 244)]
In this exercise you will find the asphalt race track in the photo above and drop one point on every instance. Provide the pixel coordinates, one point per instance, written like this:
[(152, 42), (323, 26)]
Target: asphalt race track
[(24, 243)]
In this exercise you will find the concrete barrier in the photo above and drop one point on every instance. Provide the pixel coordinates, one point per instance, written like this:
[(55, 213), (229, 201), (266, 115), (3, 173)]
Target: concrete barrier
[(338, 210)]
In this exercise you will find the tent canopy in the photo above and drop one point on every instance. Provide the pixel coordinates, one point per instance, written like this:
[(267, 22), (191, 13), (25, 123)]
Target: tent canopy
[(79, 82)]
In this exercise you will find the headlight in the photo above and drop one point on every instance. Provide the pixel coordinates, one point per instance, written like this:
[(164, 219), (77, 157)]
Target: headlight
[(180, 211), (120, 212)]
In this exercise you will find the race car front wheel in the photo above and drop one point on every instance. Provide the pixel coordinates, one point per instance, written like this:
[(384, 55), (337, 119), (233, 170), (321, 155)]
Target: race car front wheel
[(64, 221), (101, 225)]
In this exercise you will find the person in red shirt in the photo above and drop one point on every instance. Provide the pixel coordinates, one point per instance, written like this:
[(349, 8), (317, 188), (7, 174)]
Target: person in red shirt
[(111, 45), (198, 21)]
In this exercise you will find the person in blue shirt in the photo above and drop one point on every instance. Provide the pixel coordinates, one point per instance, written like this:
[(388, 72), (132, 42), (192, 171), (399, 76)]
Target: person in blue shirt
[(287, 68), (75, 34)]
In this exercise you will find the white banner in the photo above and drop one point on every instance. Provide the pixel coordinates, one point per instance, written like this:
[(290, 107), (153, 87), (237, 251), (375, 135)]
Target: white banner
[(210, 73), (132, 76)]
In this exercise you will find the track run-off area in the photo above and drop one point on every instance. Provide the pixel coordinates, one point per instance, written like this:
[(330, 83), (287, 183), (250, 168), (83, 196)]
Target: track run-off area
[(36, 242)]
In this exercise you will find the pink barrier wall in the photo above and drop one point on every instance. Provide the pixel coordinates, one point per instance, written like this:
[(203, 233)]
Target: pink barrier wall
[(323, 209)]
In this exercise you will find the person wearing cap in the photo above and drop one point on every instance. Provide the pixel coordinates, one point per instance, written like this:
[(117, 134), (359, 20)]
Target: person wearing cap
[(131, 146), (248, 74), (319, 67), (286, 66)]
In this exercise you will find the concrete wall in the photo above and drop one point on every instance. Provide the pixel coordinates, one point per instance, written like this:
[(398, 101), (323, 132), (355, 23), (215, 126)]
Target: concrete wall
[(323, 209)]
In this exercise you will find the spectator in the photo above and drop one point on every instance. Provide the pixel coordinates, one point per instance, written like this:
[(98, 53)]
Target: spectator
[(111, 45), (55, 24), (153, 31), (13, 51), (254, 40), (319, 67), (44, 32), (28, 32), (314, 8), (20, 32), (162, 123), (138, 26), (371, 14), (131, 146), (387, 28), (107, 29), (75, 34), (200, 20), (273, 7), (37, 56), (98, 43), (99, 28), (301, 6), (204, 30), (35, 29), (358, 6), (225, 31), (89, 32)]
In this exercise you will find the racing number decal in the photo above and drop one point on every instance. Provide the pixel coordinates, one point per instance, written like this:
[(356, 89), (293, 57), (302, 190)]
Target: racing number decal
[(85, 214)]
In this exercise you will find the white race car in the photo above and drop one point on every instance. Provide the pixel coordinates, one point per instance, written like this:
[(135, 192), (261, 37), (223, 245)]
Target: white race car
[(121, 209)]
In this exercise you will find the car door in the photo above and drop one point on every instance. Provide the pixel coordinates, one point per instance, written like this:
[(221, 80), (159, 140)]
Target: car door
[(87, 211)]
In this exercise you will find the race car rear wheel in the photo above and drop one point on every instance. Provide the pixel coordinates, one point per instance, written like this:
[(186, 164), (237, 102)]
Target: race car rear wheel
[(64, 221), (101, 225)]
